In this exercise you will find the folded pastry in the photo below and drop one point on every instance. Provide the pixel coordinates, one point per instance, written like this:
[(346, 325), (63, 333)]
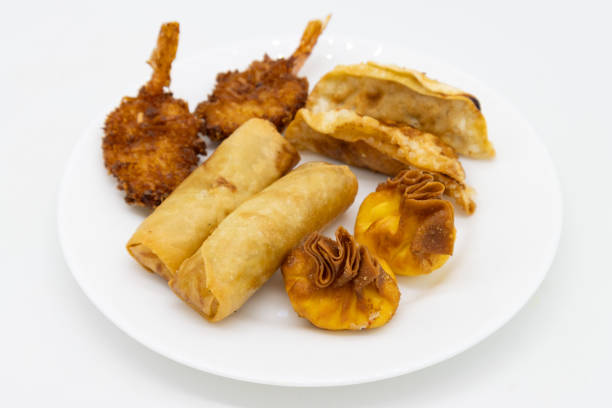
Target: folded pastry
[(253, 157), (339, 285), (407, 225), (250, 244), (406, 97), (365, 142)]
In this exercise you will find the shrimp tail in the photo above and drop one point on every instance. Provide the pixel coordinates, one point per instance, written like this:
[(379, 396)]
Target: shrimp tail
[(307, 42), (162, 57)]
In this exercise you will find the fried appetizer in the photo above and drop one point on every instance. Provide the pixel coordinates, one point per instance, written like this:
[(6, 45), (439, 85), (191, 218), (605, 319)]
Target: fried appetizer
[(406, 97), (268, 89), (339, 285), (407, 225), (365, 142), (151, 141), (252, 158), (251, 243)]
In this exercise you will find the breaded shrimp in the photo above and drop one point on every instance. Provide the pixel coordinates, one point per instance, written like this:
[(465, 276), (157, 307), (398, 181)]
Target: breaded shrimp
[(268, 89), (151, 142)]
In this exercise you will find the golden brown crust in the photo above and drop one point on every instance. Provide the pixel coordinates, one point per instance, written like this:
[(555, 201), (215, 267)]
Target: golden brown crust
[(423, 196), (341, 262), (267, 89), (151, 141), (150, 146), (406, 97), (406, 224), (339, 285), (365, 142), (249, 245), (414, 185), (245, 163)]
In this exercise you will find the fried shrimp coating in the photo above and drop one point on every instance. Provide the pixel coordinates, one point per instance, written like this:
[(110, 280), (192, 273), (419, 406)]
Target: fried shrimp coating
[(151, 142), (268, 89)]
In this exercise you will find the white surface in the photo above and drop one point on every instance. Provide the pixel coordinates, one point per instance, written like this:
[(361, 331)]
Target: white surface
[(478, 290), (551, 60)]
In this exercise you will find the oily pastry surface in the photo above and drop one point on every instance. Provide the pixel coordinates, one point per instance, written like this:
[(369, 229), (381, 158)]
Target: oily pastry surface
[(366, 142), (406, 97), (251, 243), (406, 224), (249, 160), (338, 284)]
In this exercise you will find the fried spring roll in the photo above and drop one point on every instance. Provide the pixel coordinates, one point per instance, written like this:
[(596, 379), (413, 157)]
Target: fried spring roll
[(251, 243), (252, 158)]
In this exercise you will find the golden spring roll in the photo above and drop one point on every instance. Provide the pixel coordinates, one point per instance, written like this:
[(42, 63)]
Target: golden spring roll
[(253, 157), (251, 243)]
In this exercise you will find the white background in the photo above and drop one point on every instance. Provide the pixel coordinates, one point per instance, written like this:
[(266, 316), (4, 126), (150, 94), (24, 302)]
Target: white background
[(61, 63)]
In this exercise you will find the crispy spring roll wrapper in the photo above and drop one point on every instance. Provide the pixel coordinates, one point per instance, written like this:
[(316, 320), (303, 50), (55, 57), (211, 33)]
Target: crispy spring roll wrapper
[(252, 242), (252, 158)]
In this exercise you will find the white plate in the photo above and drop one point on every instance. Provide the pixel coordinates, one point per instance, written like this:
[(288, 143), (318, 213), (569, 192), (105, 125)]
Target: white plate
[(502, 252)]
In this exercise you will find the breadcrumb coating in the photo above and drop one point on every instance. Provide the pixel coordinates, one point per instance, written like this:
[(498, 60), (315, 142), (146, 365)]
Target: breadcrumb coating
[(151, 141), (268, 89)]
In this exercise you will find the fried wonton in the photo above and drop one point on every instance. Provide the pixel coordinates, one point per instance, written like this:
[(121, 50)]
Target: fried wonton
[(339, 285), (403, 96), (365, 142), (407, 225)]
